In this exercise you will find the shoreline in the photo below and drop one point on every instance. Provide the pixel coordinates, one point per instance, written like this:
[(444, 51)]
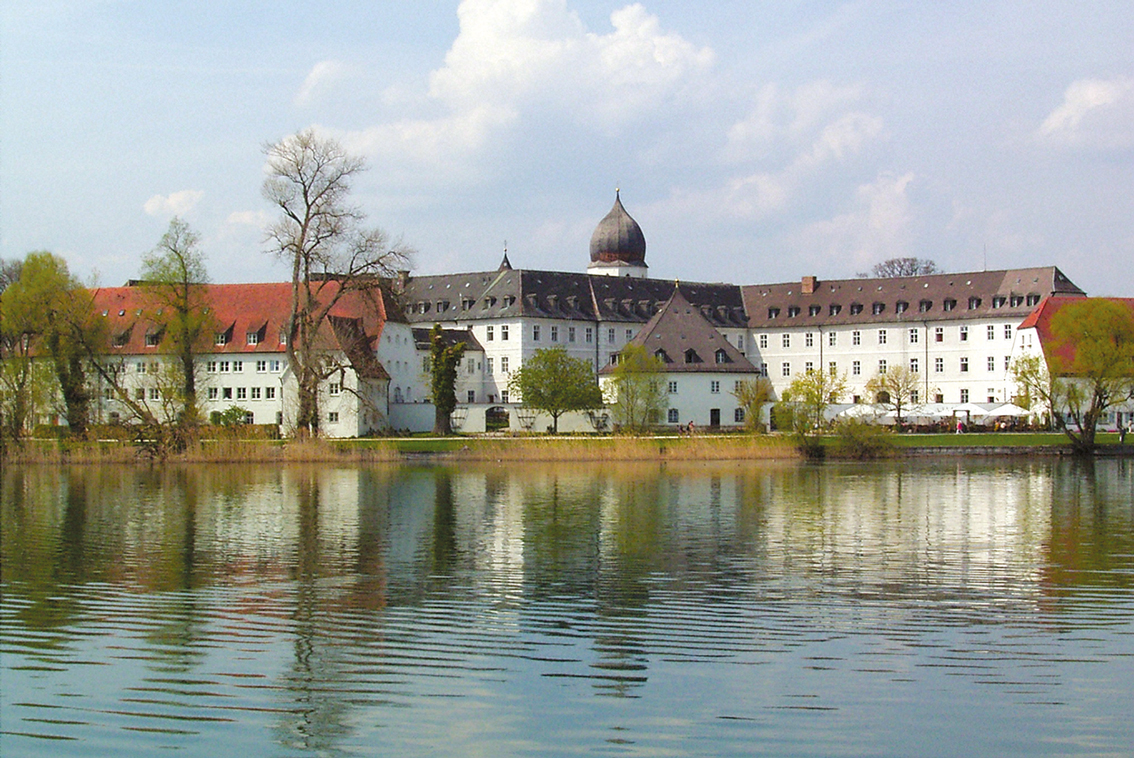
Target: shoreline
[(457, 449)]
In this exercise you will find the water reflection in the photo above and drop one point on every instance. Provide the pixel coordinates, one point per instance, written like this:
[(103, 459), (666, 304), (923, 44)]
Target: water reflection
[(317, 609)]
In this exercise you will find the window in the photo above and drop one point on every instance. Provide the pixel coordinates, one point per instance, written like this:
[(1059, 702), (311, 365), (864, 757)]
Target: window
[(213, 393), (471, 396), (283, 337), (249, 418), (470, 364), (715, 387), (814, 310), (949, 304), (877, 308), (991, 332), (856, 368), (333, 417), (855, 309), (740, 342), (785, 340), (671, 388), (856, 337), (504, 365), (335, 389), (488, 333), (140, 367), (808, 367), (738, 416), (241, 393), (902, 306), (1033, 299), (269, 393), (913, 336), (237, 367), (915, 396), (913, 366), (570, 334), (256, 393), (610, 335), (793, 311), (153, 393), (924, 306), (964, 365), (939, 365), (629, 334), (832, 368), (488, 365), (535, 332), (785, 369), (673, 415), (974, 303), (276, 366), (763, 342), (261, 367), (503, 332), (225, 367), (1007, 331), (882, 366), (152, 340), (1007, 362), (220, 338), (939, 334), (809, 339), (589, 335), (763, 369), (964, 396), (211, 367), (555, 334), (833, 339), (773, 313), (964, 334), (252, 338), (998, 301), (503, 396), (881, 336), (226, 393), (991, 363), (834, 310)]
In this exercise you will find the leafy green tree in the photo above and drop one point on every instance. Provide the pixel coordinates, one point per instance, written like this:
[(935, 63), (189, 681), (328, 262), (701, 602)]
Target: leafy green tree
[(1039, 391), (174, 275), (637, 393), (444, 356), (49, 308), (1092, 360), (555, 383), (322, 237), (813, 392), (753, 395), (895, 389)]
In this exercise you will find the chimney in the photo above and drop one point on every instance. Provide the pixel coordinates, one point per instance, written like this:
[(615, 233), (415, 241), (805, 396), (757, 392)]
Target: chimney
[(808, 285), (402, 281)]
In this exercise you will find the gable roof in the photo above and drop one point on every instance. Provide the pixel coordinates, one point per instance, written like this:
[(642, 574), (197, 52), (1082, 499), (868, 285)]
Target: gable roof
[(515, 293), (1011, 293), (686, 342), (240, 311)]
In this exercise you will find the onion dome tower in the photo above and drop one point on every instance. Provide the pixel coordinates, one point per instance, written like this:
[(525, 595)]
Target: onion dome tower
[(618, 247)]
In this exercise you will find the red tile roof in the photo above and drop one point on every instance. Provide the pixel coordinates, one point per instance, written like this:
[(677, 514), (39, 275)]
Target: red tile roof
[(237, 310)]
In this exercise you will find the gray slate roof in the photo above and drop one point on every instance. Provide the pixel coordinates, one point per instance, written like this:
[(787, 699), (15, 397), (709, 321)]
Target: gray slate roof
[(936, 297), (512, 293), (686, 342)]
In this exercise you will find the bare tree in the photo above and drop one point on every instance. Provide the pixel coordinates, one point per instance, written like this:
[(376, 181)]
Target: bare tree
[(895, 267), (322, 235), (174, 276)]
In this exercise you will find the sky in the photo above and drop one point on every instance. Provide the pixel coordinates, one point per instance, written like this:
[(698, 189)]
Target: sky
[(754, 142)]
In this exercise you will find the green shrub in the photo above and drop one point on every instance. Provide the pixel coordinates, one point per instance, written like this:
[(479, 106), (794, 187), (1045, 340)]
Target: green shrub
[(861, 439)]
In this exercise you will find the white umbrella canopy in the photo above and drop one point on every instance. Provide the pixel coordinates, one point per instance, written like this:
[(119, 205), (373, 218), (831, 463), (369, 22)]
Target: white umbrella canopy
[(862, 410), (972, 409), (925, 411), (1009, 410)]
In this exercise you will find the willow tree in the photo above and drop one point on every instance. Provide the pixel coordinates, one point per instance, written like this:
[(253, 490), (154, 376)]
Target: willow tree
[(323, 238), (174, 275)]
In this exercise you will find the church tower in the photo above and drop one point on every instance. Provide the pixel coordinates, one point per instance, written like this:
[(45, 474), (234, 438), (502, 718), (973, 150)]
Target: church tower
[(618, 247)]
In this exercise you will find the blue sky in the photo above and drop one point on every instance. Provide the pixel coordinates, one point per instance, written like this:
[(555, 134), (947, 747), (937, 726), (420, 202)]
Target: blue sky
[(753, 141)]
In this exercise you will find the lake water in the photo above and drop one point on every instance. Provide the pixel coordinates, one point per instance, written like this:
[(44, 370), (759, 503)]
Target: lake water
[(955, 608)]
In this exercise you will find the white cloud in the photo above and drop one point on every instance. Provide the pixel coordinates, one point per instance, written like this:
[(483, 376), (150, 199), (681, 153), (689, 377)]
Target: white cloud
[(879, 227), (174, 204), (322, 75), (1095, 113), (257, 219)]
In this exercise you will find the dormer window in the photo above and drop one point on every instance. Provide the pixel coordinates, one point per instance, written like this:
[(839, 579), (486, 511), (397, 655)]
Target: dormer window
[(793, 311), (855, 309), (1016, 301), (220, 338), (924, 306), (902, 306), (721, 356), (949, 304), (974, 303), (662, 356), (283, 336), (1033, 299), (834, 310), (877, 308), (252, 338), (691, 356), (999, 301), (773, 313), (814, 310)]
